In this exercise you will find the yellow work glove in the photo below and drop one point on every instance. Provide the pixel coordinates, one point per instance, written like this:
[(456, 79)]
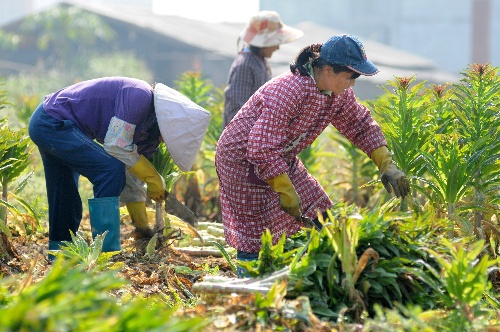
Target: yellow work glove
[(289, 200), (390, 175), (145, 171), (139, 217)]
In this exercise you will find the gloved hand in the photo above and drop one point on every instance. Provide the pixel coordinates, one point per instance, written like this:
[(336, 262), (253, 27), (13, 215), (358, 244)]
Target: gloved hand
[(146, 172), (289, 200), (137, 212), (390, 175)]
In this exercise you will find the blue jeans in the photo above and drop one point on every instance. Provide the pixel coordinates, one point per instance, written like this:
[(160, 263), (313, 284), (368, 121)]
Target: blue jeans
[(66, 154)]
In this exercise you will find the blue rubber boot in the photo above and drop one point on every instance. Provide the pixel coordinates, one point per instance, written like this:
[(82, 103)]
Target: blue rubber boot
[(105, 216)]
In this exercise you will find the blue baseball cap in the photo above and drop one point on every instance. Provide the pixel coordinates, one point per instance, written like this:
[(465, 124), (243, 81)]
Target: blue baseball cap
[(346, 50)]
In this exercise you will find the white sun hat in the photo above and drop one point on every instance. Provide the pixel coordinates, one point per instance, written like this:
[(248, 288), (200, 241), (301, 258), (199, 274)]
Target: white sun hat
[(266, 29), (182, 123)]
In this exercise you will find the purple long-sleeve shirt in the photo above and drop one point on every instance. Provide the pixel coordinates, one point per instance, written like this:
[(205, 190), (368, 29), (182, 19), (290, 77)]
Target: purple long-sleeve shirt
[(91, 105)]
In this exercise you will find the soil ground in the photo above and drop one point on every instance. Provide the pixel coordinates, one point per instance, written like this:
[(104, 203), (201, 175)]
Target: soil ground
[(158, 275)]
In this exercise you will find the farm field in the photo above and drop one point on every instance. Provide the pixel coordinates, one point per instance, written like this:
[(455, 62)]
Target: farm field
[(429, 262)]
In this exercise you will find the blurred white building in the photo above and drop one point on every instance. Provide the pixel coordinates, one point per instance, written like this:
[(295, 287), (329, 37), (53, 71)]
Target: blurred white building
[(11, 10), (172, 45), (451, 33)]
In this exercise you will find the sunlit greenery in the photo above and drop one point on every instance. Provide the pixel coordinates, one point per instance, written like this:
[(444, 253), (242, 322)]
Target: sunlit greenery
[(428, 263)]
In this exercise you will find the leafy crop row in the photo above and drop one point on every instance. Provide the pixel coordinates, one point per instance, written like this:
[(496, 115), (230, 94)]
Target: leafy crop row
[(429, 261)]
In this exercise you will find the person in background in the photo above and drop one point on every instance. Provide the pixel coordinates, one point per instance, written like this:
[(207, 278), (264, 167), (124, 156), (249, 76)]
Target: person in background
[(263, 184), (106, 129), (262, 36)]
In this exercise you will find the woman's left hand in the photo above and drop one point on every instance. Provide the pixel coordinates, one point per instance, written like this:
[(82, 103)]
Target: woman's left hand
[(393, 178)]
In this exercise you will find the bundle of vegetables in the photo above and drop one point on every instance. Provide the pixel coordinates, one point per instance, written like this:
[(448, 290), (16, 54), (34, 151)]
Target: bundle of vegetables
[(210, 232), (207, 234), (208, 241), (355, 262)]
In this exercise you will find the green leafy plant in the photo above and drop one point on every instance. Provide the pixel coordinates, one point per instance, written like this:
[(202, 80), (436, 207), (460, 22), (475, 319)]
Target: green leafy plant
[(404, 121), (464, 275), (72, 298), (265, 304), (344, 236), (354, 172), (24, 106), (476, 101), (360, 258), (450, 172), (80, 252), (225, 255), (26, 223), (446, 139), (166, 167), (440, 111), (271, 257), (465, 279), (312, 156), (403, 118), (14, 157)]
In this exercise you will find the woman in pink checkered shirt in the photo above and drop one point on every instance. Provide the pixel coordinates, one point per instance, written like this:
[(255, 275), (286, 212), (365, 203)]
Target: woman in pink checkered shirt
[(263, 184)]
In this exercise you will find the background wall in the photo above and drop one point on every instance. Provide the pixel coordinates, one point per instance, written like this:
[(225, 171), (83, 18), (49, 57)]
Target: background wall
[(452, 33)]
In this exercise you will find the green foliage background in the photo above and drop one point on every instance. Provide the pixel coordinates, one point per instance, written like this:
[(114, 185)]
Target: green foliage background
[(432, 252)]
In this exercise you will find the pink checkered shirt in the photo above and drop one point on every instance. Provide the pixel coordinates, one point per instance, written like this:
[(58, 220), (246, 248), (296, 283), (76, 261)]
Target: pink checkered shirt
[(281, 119)]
